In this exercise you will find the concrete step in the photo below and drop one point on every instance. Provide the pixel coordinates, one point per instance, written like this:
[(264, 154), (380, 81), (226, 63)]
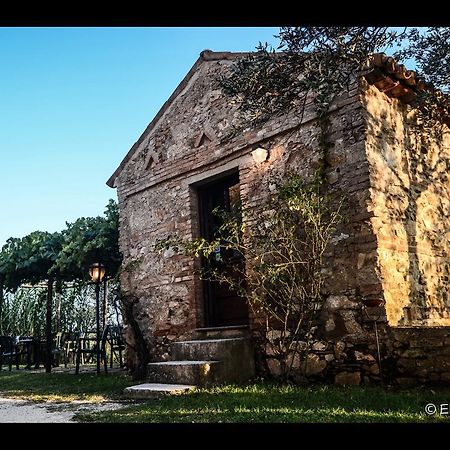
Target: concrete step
[(197, 372), (155, 390), (222, 332), (236, 354)]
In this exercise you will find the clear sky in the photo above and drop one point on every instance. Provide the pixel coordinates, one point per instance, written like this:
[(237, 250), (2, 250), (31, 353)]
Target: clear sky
[(72, 103)]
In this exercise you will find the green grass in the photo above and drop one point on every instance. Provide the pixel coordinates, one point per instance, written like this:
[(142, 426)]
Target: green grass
[(63, 387), (254, 403), (259, 403)]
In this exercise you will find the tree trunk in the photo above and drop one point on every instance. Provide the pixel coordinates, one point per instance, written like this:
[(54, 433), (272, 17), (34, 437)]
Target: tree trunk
[(48, 327)]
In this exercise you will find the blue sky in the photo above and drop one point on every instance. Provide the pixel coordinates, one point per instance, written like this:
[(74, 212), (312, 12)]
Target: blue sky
[(72, 103)]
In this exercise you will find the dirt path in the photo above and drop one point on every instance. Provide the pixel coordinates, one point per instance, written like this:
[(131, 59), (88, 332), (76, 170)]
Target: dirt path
[(21, 411)]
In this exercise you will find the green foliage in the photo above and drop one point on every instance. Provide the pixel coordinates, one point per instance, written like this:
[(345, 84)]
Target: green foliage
[(313, 60), (23, 312), (90, 239), (29, 259), (64, 256), (323, 62), (430, 51)]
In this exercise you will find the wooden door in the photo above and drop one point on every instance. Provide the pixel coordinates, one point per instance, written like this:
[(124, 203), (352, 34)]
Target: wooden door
[(223, 307)]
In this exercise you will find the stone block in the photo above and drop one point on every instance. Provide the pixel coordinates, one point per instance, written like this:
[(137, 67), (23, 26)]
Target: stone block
[(313, 365), (405, 381), (348, 378), (359, 356), (198, 373), (274, 367)]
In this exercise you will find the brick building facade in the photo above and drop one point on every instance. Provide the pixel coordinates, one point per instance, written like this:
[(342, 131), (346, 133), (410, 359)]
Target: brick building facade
[(394, 244)]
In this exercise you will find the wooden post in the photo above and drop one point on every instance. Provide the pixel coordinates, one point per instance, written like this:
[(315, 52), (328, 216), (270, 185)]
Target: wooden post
[(48, 327)]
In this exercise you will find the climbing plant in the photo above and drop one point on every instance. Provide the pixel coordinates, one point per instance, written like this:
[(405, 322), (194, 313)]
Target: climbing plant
[(283, 249)]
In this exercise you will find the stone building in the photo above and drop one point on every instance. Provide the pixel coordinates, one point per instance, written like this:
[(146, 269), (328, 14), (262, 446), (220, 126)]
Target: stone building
[(394, 245)]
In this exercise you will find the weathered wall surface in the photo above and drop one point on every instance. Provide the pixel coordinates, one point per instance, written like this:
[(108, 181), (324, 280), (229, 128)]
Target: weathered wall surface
[(409, 209), (410, 200), (156, 199), (409, 355), (386, 247)]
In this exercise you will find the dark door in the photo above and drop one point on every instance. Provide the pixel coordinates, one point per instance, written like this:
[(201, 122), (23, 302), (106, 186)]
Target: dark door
[(223, 307)]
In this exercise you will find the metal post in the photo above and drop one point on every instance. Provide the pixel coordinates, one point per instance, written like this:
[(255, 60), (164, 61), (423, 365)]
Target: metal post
[(375, 328), (1, 301), (104, 303), (378, 349), (97, 313), (48, 326)]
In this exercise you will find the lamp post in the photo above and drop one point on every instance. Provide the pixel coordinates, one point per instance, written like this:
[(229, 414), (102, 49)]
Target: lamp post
[(97, 272)]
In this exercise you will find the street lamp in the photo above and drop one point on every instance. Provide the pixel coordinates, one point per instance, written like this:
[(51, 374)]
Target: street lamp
[(97, 272)]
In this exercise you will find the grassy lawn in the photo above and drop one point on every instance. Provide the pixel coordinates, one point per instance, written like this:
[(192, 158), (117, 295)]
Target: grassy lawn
[(253, 403), (63, 387), (258, 403)]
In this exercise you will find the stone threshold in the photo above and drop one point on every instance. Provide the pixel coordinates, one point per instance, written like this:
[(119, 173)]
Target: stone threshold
[(155, 390), (230, 327)]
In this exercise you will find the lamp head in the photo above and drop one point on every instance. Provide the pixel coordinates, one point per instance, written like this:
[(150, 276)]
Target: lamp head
[(97, 272), (259, 154)]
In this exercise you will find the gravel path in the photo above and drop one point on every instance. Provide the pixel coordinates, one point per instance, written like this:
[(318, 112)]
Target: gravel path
[(21, 411)]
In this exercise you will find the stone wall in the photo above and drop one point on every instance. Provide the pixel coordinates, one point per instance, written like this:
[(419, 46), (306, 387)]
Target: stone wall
[(386, 248), (410, 218), (410, 200), (408, 355)]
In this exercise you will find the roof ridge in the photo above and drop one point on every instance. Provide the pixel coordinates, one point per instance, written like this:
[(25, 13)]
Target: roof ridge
[(211, 55)]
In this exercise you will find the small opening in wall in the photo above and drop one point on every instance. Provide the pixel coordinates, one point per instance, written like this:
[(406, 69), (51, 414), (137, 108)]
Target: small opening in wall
[(150, 163)]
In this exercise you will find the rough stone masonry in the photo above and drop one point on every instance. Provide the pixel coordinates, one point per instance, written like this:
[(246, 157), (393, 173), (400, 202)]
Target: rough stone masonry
[(394, 244)]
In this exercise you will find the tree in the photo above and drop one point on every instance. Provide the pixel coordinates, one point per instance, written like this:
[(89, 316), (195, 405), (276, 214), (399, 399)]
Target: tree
[(90, 239), (283, 248), (323, 61)]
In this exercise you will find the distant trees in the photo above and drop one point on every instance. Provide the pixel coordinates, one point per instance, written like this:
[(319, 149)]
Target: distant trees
[(63, 256), (56, 258)]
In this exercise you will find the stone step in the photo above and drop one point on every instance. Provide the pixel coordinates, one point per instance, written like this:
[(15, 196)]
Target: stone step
[(208, 349), (222, 332), (155, 390), (236, 354), (199, 373)]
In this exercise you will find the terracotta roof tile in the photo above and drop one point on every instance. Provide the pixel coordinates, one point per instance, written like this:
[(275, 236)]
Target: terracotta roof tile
[(396, 81)]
